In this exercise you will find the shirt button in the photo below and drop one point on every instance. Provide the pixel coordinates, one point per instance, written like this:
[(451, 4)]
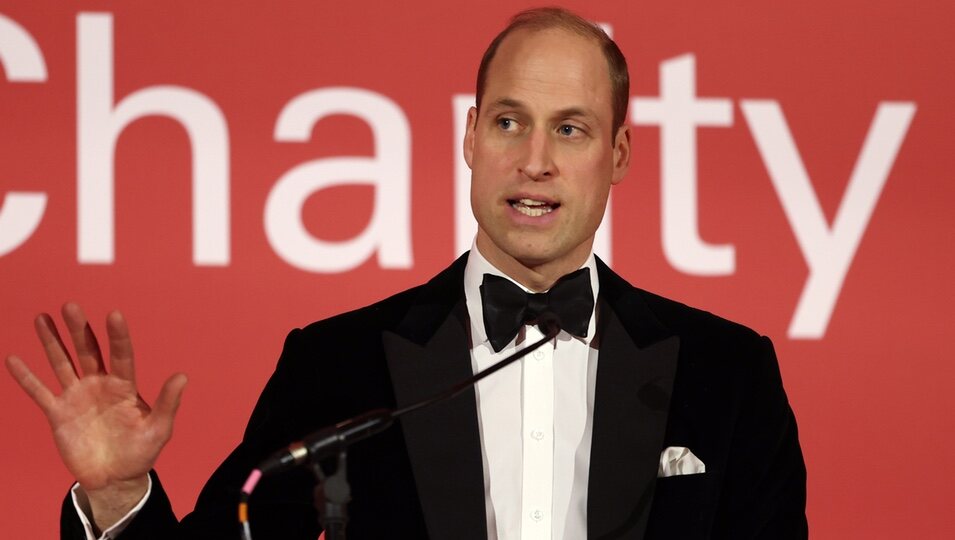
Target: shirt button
[(537, 434), (539, 354), (537, 515)]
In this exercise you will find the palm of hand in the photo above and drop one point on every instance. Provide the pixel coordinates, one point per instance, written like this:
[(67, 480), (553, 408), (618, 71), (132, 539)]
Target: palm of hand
[(104, 431)]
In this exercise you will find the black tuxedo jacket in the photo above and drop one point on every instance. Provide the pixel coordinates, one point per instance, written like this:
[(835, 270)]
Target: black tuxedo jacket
[(668, 375)]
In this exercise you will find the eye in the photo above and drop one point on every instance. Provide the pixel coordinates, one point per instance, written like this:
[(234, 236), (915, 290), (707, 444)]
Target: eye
[(506, 124), (568, 130)]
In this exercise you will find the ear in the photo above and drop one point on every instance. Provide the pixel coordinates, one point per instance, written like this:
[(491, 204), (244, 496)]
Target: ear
[(621, 154), (469, 136)]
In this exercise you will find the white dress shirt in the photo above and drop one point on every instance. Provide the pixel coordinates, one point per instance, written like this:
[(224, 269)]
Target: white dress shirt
[(536, 420)]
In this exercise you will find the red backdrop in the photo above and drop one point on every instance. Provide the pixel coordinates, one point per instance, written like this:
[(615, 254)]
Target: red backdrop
[(803, 151)]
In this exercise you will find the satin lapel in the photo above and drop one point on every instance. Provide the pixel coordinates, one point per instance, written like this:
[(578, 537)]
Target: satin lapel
[(632, 399), (443, 440)]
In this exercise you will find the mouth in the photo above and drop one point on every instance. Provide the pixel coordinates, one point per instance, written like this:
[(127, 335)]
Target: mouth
[(533, 207)]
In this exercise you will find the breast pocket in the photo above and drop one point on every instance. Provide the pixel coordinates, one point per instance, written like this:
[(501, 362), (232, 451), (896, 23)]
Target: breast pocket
[(683, 506)]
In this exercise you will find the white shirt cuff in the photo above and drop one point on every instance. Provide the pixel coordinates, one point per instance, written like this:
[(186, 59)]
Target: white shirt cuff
[(82, 506)]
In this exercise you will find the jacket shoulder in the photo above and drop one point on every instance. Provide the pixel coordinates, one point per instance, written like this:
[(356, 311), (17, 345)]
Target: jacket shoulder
[(651, 317), (694, 323), (414, 313)]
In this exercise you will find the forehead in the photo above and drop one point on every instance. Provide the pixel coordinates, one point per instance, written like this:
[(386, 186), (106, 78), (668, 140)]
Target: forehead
[(553, 67)]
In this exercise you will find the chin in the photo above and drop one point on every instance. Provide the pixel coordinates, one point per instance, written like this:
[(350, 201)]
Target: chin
[(529, 250), (531, 258)]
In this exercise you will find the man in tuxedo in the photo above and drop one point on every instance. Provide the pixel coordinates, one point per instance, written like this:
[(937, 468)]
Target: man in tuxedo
[(642, 418)]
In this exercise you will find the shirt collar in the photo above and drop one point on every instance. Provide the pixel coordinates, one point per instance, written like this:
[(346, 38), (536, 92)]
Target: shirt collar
[(474, 272)]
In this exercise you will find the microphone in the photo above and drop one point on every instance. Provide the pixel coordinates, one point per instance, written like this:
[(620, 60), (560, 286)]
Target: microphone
[(332, 440), (328, 441)]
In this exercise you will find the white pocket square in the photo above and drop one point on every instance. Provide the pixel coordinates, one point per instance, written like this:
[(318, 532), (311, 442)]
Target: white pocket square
[(678, 460)]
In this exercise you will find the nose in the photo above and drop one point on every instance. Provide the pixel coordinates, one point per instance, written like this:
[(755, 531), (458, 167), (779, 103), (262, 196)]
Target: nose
[(538, 162)]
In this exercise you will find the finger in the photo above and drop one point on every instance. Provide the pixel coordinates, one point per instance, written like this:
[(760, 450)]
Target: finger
[(169, 397), (88, 354), (120, 347), (34, 388), (55, 350)]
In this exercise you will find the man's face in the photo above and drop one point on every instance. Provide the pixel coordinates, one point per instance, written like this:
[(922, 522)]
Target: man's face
[(541, 153)]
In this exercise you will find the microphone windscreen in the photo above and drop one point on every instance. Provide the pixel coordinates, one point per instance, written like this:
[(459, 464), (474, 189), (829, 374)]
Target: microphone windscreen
[(549, 323)]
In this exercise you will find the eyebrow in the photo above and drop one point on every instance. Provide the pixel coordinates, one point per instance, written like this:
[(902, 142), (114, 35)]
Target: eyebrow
[(507, 103), (510, 103), (574, 111)]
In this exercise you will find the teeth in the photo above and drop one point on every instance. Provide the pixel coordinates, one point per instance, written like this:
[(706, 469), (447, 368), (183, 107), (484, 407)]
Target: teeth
[(533, 212), (532, 208)]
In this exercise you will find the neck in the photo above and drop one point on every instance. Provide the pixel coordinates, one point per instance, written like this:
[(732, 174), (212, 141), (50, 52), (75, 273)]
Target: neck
[(537, 276)]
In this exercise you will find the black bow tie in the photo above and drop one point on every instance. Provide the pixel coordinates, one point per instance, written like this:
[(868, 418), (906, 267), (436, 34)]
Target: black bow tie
[(507, 307)]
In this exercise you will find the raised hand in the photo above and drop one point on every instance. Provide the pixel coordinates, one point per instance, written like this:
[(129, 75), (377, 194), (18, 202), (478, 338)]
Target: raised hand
[(107, 436)]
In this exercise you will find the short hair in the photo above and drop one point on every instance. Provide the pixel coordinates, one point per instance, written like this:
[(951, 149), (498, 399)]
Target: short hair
[(553, 17)]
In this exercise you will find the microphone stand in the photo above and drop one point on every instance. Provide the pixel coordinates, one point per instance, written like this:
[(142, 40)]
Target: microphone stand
[(332, 494), (332, 491)]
